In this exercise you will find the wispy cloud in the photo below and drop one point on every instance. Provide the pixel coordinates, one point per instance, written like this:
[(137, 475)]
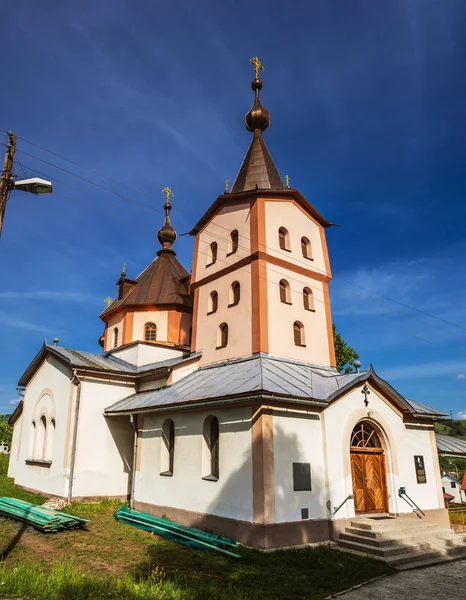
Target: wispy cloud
[(423, 370), (14, 401), (461, 414), (19, 323), (461, 376), (46, 295)]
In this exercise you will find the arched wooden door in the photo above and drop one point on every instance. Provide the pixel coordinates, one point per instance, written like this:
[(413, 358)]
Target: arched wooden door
[(368, 470)]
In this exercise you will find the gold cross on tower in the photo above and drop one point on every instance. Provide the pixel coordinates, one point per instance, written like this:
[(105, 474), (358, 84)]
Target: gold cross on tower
[(168, 193), (257, 65), (287, 180), (108, 301)]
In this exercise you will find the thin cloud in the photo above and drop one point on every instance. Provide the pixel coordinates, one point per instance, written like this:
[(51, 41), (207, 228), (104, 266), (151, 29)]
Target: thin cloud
[(14, 401), (19, 323), (461, 415), (461, 376), (423, 370), (54, 296)]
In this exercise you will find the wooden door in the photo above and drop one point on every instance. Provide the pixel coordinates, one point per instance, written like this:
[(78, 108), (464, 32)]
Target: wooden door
[(369, 487)]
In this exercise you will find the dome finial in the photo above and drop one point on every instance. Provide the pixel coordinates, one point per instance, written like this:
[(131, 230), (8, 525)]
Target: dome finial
[(167, 235), (258, 117)]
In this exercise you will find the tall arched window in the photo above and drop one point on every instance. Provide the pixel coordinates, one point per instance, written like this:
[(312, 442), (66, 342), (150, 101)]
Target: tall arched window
[(115, 337), (308, 299), (212, 438), (41, 439), (150, 332), (285, 294), (233, 242), (298, 333), (50, 440), (306, 248), (284, 239), (222, 339), (213, 253), (213, 302), (168, 450), (32, 441), (235, 293)]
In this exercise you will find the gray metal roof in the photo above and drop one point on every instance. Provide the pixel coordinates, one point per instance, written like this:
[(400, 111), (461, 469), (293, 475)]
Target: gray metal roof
[(450, 445), (105, 362), (423, 409), (259, 373)]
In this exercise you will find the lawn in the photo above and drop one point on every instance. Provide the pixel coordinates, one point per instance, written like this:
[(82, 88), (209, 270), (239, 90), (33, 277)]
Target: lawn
[(114, 561)]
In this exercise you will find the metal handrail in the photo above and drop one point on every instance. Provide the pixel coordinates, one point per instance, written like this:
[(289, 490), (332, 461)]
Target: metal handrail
[(349, 497), (410, 502)]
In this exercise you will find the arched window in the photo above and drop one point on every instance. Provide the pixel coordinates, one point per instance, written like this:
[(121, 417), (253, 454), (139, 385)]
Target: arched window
[(211, 437), (285, 294), (308, 299), (235, 292), (115, 337), (298, 332), (364, 435), (306, 248), (41, 438), (50, 439), (222, 338), (150, 332), (213, 253), (233, 242), (213, 302), (284, 239), (32, 440), (168, 450)]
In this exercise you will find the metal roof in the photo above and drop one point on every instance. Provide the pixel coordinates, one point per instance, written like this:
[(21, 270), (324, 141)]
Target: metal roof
[(255, 375), (105, 362), (450, 445)]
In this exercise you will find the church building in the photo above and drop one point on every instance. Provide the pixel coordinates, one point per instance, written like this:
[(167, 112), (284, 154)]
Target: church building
[(216, 400)]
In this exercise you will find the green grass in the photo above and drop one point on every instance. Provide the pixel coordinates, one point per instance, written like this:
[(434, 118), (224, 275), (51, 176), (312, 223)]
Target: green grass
[(8, 488), (455, 428), (111, 560)]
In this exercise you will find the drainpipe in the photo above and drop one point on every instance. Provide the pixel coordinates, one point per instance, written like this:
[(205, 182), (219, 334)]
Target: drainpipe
[(133, 470), (77, 382)]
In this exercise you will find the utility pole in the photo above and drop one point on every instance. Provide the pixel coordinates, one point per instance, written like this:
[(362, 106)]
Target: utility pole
[(6, 180)]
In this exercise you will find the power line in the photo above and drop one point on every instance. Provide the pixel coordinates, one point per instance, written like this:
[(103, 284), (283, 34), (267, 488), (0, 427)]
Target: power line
[(246, 237)]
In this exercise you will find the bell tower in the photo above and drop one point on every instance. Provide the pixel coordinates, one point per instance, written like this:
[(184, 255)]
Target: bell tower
[(261, 268)]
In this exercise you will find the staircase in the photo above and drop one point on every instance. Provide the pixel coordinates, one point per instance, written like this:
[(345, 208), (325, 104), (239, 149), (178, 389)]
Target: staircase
[(403, 543)]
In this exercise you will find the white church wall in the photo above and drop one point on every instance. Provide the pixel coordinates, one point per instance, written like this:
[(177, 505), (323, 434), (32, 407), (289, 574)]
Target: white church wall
[(48, 396), (104, 444), (230, 496), (286, 214), (297, 438), (402, 445), (146, 354), (281, 317), (218, 230)]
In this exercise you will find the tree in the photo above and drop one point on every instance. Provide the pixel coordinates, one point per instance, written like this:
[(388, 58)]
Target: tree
[(6, 433), (345, 355)]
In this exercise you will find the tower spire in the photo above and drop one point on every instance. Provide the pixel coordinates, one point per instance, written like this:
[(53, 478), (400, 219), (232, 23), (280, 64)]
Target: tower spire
[(258, 170), (166, 234)]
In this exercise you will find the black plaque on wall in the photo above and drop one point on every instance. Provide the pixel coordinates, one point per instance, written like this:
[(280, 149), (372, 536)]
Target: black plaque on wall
[(420, 469)]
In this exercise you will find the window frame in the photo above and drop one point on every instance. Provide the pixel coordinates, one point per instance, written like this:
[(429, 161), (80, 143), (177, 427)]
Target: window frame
[(308, 299), (306, 248), (221, 343), (212, 439), (115, 337), (283, 234), (148, 328), (302, 336), (283, 284), (235, 289), (213, 249), (168, 438), (233, 242), (213, 304)]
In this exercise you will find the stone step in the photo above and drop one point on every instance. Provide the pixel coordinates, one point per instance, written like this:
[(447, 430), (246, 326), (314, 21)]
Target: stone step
[(352, 535), (417, 564), (398, 534), (392, 526), (381, 552)]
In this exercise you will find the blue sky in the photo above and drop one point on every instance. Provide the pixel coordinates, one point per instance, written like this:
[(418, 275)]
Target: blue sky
[(368, 117)]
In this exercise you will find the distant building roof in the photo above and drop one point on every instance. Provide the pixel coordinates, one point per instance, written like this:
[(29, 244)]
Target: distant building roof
[(448, 497), (450, 446), (259, 375), (463, 483)]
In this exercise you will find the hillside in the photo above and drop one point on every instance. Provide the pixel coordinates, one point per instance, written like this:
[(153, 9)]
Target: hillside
[(452, 427)]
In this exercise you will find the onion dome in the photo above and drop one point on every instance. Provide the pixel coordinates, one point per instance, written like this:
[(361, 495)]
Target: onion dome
[(258, 117), (166, 234)]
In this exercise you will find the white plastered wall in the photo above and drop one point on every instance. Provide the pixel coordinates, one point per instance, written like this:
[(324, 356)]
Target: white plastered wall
[(281, 317), (238, 318), (48, 394), (297, 437), (230, 496), (402, 444), (286, 214), (218, 230), (109, 331), (146, 354), (104, 448)]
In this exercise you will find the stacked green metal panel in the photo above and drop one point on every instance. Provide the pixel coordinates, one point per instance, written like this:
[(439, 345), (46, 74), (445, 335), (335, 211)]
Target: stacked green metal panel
[(43, 519)]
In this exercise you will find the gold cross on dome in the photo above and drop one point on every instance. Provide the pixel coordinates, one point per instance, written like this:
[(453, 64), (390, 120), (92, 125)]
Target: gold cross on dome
[(257, 65), (108, 301), (287, 180), (168, 193)]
